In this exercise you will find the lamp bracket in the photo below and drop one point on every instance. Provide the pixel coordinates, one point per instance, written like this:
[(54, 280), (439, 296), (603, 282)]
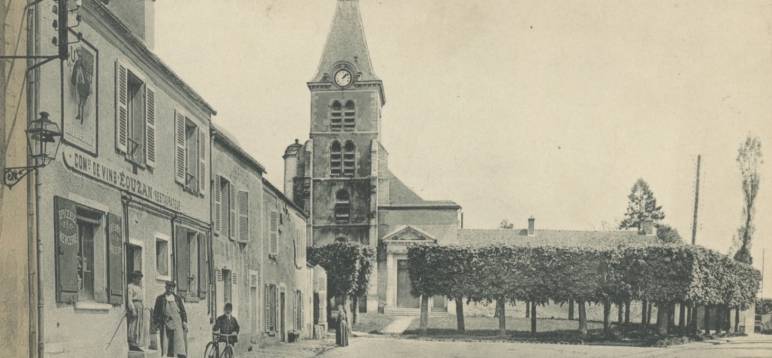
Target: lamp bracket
[(11, 176)]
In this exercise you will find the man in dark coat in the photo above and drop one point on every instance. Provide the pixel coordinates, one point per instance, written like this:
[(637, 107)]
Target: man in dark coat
[(227, 324), (170, 317)]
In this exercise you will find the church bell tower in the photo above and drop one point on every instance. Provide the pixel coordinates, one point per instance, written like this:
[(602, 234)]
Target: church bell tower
[(346, 102)]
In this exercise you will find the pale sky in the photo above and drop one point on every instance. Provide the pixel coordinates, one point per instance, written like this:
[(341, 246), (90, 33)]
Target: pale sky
[(514, 108)]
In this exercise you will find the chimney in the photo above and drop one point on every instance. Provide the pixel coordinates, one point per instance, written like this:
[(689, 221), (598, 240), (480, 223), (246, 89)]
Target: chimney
[(531, 226), (137, 15), (291, 168)]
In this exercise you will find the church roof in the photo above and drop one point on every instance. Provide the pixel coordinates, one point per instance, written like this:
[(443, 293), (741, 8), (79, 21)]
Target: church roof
[(559, 238), (346, 42), (401, 196)]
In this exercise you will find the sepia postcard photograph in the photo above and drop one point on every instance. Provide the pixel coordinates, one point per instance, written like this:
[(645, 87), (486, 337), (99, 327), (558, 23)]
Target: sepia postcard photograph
[(385, 178)]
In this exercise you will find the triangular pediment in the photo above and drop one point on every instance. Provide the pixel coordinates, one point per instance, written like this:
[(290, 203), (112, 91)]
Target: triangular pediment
[(408, 233)]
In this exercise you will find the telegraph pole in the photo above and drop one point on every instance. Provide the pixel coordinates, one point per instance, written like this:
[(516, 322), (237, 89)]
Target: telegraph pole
[(696, 201)]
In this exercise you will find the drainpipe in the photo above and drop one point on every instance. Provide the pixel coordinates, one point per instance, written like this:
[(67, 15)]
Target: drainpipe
[(211, 303)]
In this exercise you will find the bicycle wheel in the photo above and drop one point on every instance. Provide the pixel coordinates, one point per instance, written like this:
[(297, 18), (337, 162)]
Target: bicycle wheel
[(211, 350), (227, 352)]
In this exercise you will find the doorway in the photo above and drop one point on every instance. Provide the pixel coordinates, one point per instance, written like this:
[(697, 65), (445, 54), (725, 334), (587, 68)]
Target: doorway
[(405, 299), (133, 259)]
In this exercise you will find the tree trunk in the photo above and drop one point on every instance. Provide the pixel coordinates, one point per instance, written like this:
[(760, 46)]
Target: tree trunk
[(606, 317), (533, 318), (582, 318), (644, 307), (662, 318), (627, 311), (460, 314), (670, 316), (692, 319), (424, 314), (737, 320), (502, 317), (707, 319), (527, 309), (728, 323), (681, 316), (620, 313), (570, 310), (355, 309), (648, 313)]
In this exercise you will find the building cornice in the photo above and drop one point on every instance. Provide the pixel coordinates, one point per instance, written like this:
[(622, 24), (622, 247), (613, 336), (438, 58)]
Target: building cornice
[(328, 86)]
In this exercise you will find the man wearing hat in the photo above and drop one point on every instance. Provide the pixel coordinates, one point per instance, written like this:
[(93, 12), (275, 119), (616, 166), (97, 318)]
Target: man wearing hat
[(135, 314), (170, 318)]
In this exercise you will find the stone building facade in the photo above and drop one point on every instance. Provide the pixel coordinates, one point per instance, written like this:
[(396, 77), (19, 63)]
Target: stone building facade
[(129, 190)]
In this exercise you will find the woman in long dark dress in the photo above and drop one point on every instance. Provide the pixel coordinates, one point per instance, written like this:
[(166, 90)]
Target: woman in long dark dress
[(341, 334)]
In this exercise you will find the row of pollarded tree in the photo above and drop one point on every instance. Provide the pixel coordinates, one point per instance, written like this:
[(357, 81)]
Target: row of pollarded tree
[(662, 274)]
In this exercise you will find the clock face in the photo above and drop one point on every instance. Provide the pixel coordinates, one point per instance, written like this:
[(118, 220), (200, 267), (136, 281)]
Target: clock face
[(343, 78)]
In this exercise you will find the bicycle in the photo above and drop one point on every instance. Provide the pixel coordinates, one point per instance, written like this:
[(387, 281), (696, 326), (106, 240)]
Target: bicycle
[(212, 349)]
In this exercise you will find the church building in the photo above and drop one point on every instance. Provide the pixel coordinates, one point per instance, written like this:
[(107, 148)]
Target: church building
[(340, 176)]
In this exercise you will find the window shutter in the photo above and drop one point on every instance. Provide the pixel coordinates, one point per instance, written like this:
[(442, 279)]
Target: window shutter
[(232, 209), (179, 148), (202, 143), (203, 265), (121, 107), (274, 232), (266, 309), (182, 261), (150, 126), (115, 272), (217, 205), (66, 229), (244, 216)]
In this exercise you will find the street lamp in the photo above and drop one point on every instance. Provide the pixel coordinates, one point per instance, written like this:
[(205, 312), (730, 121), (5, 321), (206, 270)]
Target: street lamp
[(43, 139)]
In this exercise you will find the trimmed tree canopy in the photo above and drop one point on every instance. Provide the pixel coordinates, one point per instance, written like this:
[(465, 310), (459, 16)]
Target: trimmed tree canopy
[(659, 273), (348, 267)]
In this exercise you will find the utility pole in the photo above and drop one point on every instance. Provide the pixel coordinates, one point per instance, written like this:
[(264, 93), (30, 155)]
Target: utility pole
[(696, 201)]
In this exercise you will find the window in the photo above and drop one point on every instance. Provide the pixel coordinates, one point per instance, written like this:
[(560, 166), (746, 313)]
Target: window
[(190, 153), (89, 254), (349, 117), (191, 263), (86, 256), (349, 159), (136, 107), (298, 310), (191, 156), (274, 238), (135, 117), (162, 258), (225, 208), (336, 159), (342, 207), (227, 291), (336, 117), (243, 216), (270, 308)]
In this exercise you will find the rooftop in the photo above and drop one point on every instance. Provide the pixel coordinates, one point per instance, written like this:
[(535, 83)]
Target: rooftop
[(559, 238)]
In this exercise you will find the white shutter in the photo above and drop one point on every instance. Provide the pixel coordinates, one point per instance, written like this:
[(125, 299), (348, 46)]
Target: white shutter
[(179, 147), (243, 216), (121, 107), (150, 126), (232, 216), (217, 205), (202, 144)]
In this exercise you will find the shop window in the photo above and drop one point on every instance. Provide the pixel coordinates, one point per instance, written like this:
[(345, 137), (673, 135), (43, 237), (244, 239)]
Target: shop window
[(89, 259), (162, 258)]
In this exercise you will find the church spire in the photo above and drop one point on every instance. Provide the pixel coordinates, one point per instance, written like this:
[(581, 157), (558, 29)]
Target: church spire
[(346, 42)]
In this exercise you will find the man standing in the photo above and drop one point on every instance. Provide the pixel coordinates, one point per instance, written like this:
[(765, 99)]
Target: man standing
[(170, 318)]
